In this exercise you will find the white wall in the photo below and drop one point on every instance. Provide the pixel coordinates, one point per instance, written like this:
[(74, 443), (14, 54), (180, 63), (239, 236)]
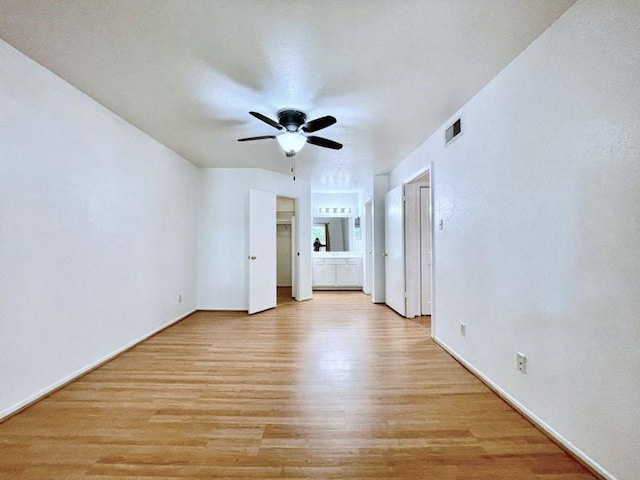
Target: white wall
[(283, 255), (222, 233), (97, 232), (539, 254)]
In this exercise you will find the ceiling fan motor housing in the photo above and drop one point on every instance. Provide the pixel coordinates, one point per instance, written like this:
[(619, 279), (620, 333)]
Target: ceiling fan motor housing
[(291, 119)]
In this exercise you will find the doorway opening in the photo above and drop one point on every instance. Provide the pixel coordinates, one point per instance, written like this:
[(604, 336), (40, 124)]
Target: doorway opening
[(418, 231), (285, 250)]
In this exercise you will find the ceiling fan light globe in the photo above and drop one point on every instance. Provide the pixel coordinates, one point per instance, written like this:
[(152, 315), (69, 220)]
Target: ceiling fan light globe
[(291, 143)]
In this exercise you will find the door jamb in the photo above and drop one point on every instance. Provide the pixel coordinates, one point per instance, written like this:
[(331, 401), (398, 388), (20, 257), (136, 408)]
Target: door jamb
[(411, 290)]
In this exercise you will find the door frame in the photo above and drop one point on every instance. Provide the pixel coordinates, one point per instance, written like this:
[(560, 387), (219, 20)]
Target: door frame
[(295, 254), (425, 246), (412, 229)]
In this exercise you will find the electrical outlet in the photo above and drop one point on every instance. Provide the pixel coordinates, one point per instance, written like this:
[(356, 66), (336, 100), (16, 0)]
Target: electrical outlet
[(463, 329), (521, 362), (179, 298)]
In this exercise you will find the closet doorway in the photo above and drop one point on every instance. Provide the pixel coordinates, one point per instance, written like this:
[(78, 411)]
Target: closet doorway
[(285, 249), (418, 235)]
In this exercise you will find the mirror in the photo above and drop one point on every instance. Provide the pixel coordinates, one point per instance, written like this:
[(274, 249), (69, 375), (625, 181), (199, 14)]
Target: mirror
[(331, 234)]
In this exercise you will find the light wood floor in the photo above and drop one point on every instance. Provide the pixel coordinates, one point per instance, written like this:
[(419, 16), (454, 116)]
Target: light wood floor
[(283, 295), (330, 388)]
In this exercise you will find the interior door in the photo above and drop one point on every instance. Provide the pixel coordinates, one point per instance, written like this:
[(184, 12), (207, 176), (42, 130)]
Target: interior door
[(368, 259), (394, 250), (294, 257), (262, 251), (425, 250)]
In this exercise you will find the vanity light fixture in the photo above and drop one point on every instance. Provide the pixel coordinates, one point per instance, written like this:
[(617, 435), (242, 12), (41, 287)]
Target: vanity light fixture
[(337, 210)]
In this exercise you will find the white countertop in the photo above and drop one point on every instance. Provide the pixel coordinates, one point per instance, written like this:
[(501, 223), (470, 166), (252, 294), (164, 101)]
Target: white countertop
[(336, 254)]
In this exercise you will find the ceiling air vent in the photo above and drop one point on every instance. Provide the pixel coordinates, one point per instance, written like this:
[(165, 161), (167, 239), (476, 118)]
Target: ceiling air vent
[(452, 132)]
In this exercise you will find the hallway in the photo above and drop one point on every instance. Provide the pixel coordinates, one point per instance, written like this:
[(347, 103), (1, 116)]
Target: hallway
[(335, 387)]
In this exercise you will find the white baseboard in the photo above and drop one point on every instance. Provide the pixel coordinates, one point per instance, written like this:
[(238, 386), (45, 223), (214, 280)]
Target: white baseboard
[(31, 399), (582, 457), (225, 309)]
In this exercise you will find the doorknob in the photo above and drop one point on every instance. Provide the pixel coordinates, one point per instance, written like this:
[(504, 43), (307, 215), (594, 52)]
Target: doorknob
[(385, 254), (252, 257)]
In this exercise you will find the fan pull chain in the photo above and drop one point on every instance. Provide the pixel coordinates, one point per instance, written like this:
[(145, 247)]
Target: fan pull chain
[(293, 167)]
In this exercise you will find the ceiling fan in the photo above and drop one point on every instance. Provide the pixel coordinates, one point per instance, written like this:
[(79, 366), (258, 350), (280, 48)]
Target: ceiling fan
[(294, 126)]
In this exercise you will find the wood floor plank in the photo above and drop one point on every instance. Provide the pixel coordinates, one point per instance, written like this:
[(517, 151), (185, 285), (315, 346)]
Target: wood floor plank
[(335, 387)]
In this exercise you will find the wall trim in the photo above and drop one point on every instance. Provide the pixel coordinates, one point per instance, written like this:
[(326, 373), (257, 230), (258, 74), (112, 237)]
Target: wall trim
[(229, 310), (591, 465), (417, 174), (51, 389)]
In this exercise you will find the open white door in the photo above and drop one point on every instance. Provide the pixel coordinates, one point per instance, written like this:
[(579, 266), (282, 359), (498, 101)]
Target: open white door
[(294, 257), (368, 248), (394, 250), (262, 251)]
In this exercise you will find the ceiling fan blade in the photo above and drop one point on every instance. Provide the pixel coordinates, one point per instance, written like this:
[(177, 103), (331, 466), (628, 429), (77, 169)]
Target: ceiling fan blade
[(267, 120), (318, 124), (256, 138), (324, 142)]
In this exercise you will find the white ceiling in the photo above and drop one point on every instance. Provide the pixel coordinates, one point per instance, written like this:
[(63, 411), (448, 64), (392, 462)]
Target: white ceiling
[(187, 72)]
